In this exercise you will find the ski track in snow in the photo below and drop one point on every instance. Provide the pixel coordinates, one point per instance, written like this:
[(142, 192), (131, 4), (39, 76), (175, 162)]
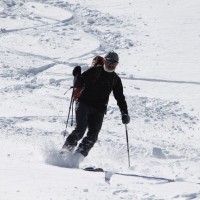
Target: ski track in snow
[(38, 72)]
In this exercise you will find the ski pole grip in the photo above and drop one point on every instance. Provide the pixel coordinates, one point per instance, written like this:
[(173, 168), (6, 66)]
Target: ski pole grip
[(76, 71)]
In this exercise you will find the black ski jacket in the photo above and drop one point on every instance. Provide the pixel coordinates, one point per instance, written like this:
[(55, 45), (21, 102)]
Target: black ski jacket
[(97, 84)]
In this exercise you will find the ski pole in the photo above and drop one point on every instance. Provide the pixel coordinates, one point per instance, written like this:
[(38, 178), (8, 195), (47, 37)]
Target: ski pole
[(68, 90), (70, 105), (127, 145), (72, 120), (76, 72)]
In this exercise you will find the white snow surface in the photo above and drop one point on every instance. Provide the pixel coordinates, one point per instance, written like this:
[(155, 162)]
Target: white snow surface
[(158, 43)]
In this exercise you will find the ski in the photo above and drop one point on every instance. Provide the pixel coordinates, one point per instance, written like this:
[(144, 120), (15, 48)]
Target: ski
[(110, 173)]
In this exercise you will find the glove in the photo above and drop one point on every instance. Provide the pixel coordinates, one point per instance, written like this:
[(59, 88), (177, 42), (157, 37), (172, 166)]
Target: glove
[(125, 118), (76, 71)]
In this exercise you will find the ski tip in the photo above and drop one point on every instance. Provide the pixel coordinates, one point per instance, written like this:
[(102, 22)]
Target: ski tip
[(93, 169)]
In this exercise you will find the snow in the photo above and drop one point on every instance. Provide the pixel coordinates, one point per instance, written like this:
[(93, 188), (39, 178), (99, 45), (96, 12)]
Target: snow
[(158, 43)]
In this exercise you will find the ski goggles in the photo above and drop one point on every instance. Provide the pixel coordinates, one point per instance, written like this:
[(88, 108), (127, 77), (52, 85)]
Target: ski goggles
[(111, 62)]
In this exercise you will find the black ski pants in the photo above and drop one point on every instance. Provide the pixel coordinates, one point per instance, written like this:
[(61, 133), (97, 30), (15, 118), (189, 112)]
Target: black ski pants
[(89, 118)]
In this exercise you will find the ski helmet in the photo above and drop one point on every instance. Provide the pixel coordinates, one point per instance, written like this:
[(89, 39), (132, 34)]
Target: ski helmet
[(112, 56)]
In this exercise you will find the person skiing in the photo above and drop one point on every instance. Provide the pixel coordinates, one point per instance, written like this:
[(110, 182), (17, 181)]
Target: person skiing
[(91, 93)]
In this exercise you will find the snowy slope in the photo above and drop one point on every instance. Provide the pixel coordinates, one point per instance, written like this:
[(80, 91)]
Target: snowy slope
[(158, 43)]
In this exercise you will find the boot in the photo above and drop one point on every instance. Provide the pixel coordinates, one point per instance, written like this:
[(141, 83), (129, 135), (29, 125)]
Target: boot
[(70, 144), (67, 148)]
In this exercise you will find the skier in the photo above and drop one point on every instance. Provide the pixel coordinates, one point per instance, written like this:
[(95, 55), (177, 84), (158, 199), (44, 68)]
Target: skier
[(92, 90)]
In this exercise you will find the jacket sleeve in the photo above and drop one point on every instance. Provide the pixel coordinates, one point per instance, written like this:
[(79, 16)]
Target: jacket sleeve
[(119, 96)]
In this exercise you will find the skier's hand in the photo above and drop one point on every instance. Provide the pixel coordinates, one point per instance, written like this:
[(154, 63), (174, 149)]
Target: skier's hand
[(76, 94), (125, 118)]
